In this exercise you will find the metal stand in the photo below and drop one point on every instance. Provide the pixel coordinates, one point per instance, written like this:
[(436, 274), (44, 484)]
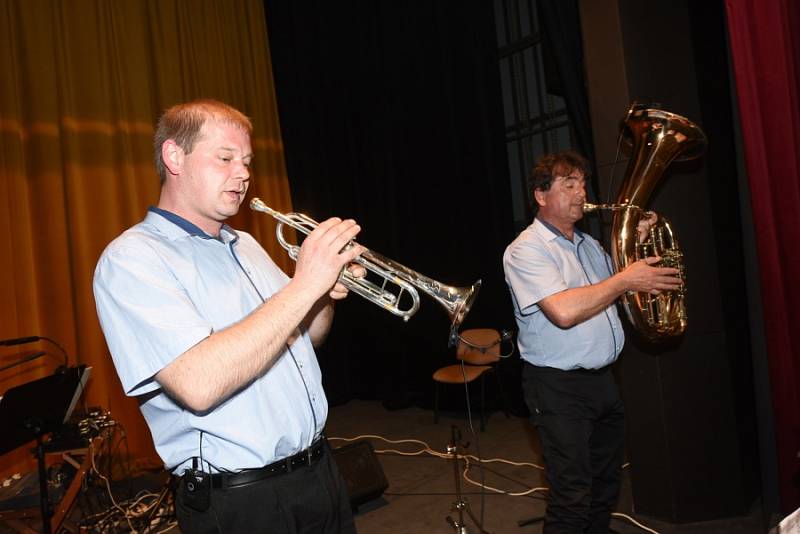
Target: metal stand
[(460, 504), (35, 427), (39, 407)]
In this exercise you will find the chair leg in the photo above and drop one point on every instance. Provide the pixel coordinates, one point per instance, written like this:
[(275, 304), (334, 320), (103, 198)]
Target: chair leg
[(483, 403), (435, 403), (506, 403)]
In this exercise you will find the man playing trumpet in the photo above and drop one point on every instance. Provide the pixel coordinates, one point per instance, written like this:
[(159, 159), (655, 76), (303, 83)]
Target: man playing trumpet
[(217, 343), (563, 291)]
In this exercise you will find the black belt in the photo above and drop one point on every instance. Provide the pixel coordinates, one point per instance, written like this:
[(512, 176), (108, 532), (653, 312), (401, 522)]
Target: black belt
[(542, 370), (286, 465)]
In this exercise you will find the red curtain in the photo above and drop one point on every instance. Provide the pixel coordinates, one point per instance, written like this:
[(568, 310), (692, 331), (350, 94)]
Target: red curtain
[(766, 59)]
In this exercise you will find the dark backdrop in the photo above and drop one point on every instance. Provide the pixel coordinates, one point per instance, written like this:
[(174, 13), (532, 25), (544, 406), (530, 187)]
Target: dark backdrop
[(392, 115), (689, 403)]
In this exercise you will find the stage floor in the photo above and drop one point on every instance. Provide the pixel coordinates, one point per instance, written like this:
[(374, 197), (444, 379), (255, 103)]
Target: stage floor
[(422, 488)]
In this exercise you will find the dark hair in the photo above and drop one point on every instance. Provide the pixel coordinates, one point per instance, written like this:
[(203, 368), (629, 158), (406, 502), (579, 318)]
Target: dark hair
[(551, 166), (182, 123)]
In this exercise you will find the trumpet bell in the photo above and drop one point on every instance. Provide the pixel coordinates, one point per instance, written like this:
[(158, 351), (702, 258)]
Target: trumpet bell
[(457, 301)]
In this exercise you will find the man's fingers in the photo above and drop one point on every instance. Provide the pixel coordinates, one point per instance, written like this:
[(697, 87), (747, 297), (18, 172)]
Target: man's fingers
[(350, 255), (667, 283), (336, 230), (653, 260), (357, 270), (323, 228), (334, 235), (339, 291)]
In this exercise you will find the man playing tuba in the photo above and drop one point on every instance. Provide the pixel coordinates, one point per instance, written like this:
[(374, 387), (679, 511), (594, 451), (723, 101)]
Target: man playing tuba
[(563, 291)]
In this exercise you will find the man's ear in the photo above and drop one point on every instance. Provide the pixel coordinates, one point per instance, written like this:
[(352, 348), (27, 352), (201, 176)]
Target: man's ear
[(539, 196), (172, 155)]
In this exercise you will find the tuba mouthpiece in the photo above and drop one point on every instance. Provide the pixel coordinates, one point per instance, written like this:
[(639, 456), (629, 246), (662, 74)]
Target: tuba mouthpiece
[(589, 207)]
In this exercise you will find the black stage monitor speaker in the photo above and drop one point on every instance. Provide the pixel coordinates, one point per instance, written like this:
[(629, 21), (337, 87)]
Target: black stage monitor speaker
[(361, 471)]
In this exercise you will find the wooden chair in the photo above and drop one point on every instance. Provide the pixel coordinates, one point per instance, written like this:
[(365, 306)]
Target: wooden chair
[(479, 349)]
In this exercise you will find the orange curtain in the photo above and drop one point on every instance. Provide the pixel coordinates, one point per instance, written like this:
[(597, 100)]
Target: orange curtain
[(82, 84)]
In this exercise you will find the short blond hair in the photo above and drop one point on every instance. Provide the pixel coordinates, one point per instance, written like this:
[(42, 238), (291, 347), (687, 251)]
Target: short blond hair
[(182, 123)]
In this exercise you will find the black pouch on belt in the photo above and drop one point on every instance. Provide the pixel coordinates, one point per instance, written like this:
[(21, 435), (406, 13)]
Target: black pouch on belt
[(196, 489)]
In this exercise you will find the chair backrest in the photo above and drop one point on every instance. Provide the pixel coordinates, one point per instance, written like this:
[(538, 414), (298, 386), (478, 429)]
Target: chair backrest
[(487, 341)]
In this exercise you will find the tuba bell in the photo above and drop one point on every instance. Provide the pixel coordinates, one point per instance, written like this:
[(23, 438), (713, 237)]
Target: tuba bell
[(657, 138)]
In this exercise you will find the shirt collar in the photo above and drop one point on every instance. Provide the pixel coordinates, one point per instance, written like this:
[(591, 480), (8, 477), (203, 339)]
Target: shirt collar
[(184, 227), (557, 233)]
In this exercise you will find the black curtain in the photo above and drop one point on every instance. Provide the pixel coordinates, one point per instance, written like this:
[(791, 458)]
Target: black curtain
[(562, 50), (391, 114)]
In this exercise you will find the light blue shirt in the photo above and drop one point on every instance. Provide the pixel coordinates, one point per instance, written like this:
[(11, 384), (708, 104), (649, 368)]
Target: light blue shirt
[(162, 287), (541, 262)]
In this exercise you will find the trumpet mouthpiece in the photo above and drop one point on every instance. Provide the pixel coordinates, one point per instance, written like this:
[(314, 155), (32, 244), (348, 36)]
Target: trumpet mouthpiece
[(258, 205)]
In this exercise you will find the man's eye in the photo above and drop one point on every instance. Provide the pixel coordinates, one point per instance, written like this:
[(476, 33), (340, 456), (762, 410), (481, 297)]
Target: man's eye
[(226, 160)]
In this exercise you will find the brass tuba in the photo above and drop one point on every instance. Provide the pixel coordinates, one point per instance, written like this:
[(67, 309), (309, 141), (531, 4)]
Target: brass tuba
[(657, 139)]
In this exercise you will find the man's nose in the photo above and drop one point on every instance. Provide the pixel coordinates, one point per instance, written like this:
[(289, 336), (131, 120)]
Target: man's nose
[(242, 172)]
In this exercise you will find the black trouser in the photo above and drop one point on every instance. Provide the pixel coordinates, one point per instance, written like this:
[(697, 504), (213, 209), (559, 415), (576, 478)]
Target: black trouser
[(310, 500), (580, 421)]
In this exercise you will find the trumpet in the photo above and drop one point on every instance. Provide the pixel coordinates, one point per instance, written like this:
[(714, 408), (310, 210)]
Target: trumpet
[(395, 287)]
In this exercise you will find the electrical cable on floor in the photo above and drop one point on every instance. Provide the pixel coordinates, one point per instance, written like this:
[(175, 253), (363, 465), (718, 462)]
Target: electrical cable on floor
[(490, 488), (502, 475), (146, 510), (137, 511), (438, 493), (427, 450), (108, 488), (445, 456), (633, 521)]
